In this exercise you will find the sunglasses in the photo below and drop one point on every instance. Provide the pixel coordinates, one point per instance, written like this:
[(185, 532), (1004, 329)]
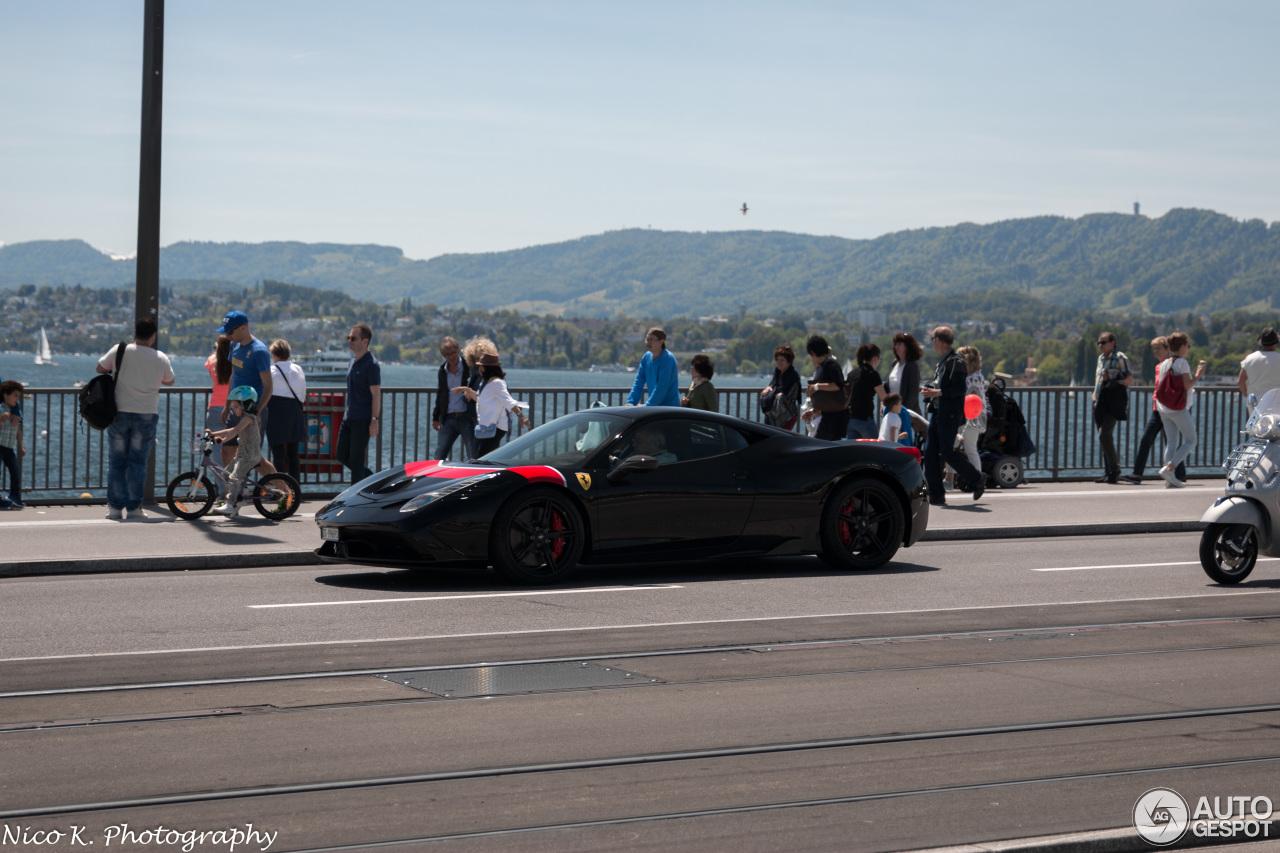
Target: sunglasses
[(352, 338), (1107, 341)]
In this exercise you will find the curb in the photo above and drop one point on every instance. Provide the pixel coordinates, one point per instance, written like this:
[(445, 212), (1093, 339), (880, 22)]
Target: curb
[(1105, 528), (272, 559), (168, 563)]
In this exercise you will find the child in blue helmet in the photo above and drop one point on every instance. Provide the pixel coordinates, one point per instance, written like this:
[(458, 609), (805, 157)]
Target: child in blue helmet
[(243, 401)]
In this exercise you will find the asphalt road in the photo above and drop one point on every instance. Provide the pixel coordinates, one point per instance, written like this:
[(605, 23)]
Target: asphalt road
[(969, 692)]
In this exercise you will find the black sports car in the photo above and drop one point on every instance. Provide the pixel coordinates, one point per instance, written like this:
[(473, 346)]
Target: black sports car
[(634, 484)]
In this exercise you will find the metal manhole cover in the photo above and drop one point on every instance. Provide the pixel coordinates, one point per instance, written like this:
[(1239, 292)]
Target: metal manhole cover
[(522, 678)]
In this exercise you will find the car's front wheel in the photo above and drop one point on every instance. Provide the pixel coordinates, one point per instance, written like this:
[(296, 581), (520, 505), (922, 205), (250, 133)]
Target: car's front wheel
[(537, 536), (862, 524)]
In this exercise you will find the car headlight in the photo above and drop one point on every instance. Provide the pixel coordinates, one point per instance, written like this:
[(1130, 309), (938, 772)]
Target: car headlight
[(446, 489), (1266, 426)]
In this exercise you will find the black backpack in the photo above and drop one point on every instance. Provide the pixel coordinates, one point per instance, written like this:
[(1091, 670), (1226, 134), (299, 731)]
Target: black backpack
[(98, 397)]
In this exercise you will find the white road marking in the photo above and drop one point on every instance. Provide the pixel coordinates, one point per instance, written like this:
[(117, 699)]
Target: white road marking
[(1134, 565), (592, 628), (476, 595), (1112, 493)]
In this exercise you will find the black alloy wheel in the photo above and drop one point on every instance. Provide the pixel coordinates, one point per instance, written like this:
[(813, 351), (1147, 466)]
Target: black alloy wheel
[(277, 496), (1228, 552), (862, 524), (190, 495), (537, 536)]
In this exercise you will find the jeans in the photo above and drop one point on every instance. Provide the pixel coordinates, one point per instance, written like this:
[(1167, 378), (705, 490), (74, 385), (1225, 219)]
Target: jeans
[(130, 439), (353, 448), (10, 459), (1155, 428), (1106, 429), (861, 429), (940, 449), (1179, 435), (454, 426)]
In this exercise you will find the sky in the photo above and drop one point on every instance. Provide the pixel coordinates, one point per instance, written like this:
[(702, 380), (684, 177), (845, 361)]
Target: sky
[(487, 126)]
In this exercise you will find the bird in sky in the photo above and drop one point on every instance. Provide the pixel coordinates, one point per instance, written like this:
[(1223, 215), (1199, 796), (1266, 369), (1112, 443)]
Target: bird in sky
[(744, 208)]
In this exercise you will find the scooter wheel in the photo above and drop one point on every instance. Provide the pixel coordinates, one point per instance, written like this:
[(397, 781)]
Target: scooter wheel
[(1228, 552)]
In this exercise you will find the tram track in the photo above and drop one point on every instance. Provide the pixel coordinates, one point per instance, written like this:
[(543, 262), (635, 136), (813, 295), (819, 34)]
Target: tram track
[(710, 739)]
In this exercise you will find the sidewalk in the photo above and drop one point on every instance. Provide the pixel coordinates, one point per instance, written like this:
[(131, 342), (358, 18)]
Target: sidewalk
[(68, 539)]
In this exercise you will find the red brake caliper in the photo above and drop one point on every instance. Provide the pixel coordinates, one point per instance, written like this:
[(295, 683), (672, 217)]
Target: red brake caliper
[(846, 539), (557, 523)]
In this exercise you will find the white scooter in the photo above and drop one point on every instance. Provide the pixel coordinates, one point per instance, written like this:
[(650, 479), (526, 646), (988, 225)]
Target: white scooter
[(1246, 519)]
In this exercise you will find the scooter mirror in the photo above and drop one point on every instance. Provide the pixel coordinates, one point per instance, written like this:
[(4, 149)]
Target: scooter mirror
[(1253, 401)]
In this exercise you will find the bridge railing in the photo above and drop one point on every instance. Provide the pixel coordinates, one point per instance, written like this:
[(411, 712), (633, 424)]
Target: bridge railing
[(66, 458)]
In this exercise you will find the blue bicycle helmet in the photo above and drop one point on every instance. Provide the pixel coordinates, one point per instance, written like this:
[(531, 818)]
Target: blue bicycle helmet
[(246, 395)]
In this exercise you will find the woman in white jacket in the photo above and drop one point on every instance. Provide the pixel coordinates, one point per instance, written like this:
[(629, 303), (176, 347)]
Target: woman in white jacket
[(494, 404)]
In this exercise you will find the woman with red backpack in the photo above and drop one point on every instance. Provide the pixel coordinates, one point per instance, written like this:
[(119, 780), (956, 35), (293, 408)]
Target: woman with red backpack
[(1174, 382)]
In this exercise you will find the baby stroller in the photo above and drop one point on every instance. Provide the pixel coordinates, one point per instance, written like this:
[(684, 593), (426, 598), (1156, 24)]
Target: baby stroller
[(1006, 440)]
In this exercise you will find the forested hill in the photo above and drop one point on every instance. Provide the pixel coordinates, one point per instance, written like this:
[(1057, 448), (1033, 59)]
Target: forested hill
[(1186, 260)]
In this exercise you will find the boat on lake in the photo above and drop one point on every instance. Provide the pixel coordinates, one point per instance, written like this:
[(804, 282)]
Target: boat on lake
[(326, 365), (44, 354)]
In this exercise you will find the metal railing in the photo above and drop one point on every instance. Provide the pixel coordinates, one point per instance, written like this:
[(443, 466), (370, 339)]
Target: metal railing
[(67, 459)]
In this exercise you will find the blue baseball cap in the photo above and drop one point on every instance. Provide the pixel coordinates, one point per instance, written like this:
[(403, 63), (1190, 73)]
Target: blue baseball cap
[(233, 321)]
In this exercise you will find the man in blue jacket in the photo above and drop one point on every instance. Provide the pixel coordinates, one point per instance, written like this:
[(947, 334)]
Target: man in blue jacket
[(659, 371)]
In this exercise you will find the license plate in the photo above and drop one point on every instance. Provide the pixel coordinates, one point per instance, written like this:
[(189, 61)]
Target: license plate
[(329, 533)]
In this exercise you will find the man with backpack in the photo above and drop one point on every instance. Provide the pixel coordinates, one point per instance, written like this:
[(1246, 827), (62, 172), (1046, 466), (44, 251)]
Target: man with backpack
[(130, 437), (1110, 401)]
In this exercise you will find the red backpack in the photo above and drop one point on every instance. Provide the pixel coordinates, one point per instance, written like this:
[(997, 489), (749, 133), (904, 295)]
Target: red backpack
[(1170, 392)]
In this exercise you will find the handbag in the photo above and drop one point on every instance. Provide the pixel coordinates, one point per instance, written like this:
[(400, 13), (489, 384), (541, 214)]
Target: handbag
[(830, 401), (766, 402), (486, 430)]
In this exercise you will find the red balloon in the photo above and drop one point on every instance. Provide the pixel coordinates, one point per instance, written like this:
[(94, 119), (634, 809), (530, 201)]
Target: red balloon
[(972, 406)]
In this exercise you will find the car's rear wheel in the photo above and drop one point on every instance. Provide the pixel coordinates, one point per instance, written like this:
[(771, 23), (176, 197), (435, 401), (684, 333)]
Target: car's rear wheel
[(862, 524), (537, 536)]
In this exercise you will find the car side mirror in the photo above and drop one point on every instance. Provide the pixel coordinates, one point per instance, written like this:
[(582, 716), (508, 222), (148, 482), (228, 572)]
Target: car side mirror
[(632, 463)]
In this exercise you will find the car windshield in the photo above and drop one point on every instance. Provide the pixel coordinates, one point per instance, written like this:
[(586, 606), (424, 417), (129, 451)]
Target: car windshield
[(566, 442)]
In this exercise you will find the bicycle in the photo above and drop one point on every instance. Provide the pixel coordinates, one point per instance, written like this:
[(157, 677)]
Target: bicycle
[(191, 494)]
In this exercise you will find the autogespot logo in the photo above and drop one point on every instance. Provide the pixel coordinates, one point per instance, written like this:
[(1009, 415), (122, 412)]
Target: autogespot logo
[(1160, 816)]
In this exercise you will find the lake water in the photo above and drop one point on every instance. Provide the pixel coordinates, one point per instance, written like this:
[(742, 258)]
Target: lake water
[(190, 373)]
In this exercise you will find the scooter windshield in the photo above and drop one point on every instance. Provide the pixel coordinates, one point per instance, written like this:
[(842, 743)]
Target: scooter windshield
[(1265, 421)]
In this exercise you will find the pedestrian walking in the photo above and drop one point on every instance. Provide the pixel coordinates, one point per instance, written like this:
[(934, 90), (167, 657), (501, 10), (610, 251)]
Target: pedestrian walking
[(865, 390), (11, 447), (454, 416), (702, 394), (363, 404), (1173, 391), (904, 375), (219, 366), (658, 372), (975, 384), (132, 434), (1155, 425), (1260, 371), (1111, 382), (833, 422), (780, 400), (288, 419), (946, 402), (250, 366), (494, 405)]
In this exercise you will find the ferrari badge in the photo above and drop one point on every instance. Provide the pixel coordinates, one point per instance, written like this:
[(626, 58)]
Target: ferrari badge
[(584, 480)]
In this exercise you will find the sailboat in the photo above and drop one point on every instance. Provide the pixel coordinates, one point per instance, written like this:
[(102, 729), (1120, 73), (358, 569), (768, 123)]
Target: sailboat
[(44, 355)]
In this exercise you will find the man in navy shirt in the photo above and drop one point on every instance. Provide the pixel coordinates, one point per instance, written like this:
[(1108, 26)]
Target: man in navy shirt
[(364, 404), (250, 365)]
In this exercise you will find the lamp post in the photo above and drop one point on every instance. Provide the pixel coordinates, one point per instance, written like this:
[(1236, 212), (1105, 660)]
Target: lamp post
[(147, 286)]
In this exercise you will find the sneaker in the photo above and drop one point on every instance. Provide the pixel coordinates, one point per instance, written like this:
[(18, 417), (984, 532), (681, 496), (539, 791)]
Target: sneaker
[(980, 486), (14, 503), (1131, 478), (115, 513), (138, 513), (1171, 478), (228, 509)]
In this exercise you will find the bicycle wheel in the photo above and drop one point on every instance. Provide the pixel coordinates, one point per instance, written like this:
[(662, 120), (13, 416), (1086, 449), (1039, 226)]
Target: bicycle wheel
[(190, 495), (277, 496)]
